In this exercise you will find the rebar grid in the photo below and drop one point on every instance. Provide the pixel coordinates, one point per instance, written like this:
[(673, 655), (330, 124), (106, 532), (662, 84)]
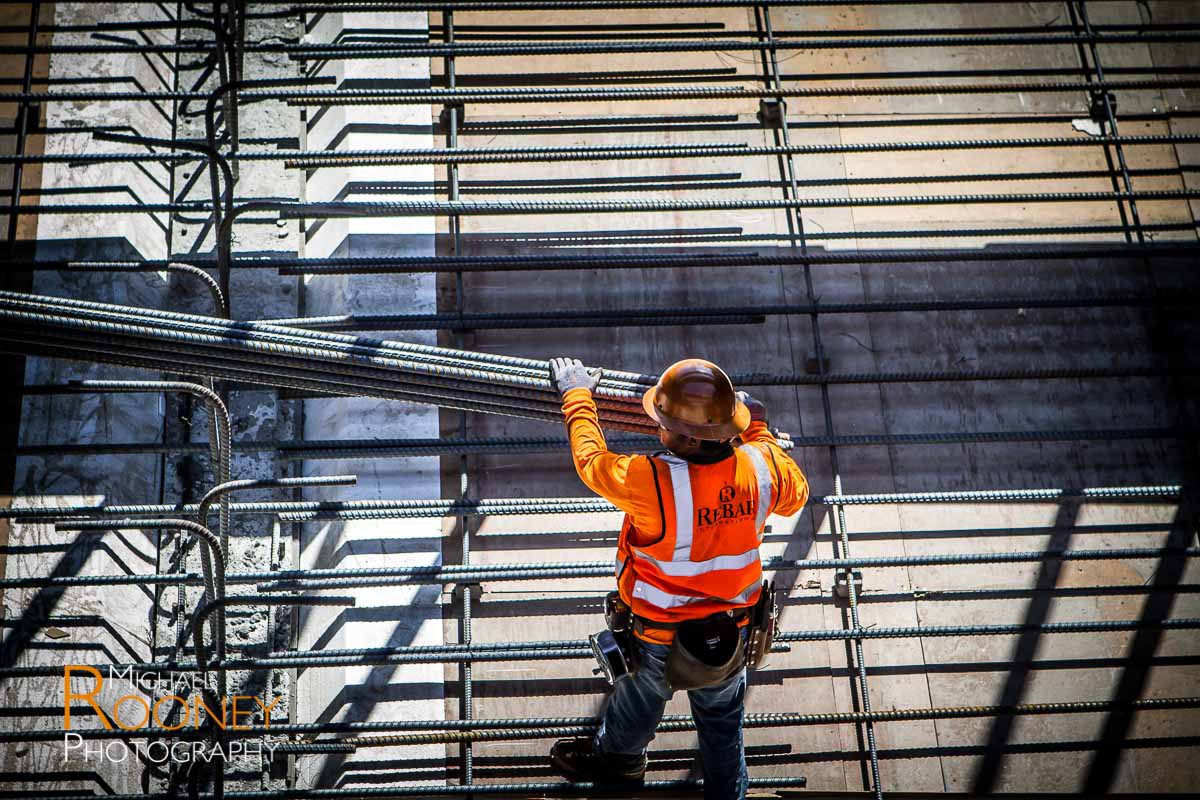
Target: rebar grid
[(73, 330)]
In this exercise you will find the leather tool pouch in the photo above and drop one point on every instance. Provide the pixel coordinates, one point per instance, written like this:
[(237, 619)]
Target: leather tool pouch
[(705, 652), (764, 620)]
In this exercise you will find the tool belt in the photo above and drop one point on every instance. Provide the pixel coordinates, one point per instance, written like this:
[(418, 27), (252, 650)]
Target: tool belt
[(705, 652)]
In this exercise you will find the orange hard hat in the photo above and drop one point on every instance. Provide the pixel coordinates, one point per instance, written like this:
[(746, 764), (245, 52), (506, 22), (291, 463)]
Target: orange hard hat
[(695, 398)]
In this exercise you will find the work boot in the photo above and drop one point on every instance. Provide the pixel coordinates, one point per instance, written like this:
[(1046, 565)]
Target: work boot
[(577, 761)]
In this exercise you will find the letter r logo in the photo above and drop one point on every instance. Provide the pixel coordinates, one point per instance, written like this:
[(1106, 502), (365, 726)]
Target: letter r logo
[(726, 494)]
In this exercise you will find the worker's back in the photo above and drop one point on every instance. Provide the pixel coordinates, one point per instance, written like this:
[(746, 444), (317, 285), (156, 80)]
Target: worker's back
[(701, 555)]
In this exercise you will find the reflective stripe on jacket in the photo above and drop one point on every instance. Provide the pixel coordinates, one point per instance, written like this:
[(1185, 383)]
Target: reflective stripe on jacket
[(707, 557)]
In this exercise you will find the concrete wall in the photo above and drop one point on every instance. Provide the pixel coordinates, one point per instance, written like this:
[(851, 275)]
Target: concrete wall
[(398, 615), (93, 625)]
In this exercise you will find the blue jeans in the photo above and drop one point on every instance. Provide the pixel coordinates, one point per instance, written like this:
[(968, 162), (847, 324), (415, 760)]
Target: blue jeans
[(636, 707)]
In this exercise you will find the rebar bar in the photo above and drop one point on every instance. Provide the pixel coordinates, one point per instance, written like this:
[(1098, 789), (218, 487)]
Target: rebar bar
[(712, 315), (536, 726), (518, 155), (402, 655), (287, 580), (283, 356), (339, 449), (425, 208), (214, 578), (574, 94), (642, 260), (567, 570), (306, 510)]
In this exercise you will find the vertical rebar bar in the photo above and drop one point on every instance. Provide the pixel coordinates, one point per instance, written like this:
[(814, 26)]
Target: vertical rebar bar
[(762, 15), (1110, 115), (24, 108), (455, 222)]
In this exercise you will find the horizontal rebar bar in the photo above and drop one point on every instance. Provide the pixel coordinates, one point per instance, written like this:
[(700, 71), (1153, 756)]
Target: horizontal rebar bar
[(573, 94), (500, 364), (297, 358), (425, 49), (312, 159), (366, 791), (336, 449), (604, 569), (428, 208), (643, 260), (698, 315), (1163, 492), (587, 94), (290, 580), (400, 655), (670, 722), (305, 510), (767, 379), (422, 48), (425, 208), (517, 155)]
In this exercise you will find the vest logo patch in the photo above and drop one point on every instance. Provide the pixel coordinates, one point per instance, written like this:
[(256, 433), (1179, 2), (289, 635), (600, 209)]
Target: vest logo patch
[(726, 509)]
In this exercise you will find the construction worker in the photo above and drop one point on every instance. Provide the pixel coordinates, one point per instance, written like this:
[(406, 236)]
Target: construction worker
[(688, 568)]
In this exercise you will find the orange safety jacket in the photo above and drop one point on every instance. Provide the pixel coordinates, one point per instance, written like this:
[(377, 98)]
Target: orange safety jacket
[(688, 547)]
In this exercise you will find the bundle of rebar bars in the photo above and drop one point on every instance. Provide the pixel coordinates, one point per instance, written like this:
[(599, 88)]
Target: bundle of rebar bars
[(326, 363)]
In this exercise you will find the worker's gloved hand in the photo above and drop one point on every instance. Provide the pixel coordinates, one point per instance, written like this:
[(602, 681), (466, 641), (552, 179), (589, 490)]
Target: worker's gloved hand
[(758, 412), (570, 373)]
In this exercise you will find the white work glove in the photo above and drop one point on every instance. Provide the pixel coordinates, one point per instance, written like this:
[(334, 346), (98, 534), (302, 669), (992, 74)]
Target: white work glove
[(758, 412), (570, 373)]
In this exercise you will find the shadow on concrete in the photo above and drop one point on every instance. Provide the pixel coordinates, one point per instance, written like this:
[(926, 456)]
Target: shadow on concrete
[(357, 703), (1038, 612), (42, 605), (1139, 658)]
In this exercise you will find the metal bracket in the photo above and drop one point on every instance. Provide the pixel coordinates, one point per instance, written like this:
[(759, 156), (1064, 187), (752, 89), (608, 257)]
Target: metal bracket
[(841, 587), (476, 590), (771, 112), (444, 116), (1096, 106), (33, 118)]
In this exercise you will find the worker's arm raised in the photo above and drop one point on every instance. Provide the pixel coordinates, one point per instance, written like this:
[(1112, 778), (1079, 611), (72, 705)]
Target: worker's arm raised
[(791, 487), (605, 473)]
